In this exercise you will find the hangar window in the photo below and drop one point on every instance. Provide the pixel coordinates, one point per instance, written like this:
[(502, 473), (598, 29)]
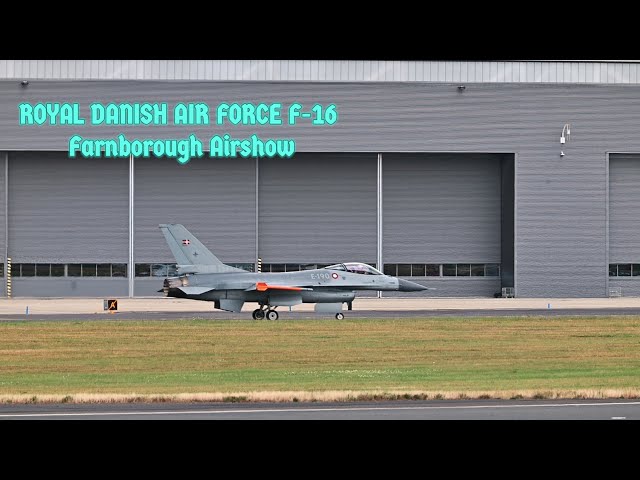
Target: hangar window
[(477, 270), (57, 269), (43, 270), (417, 270), (444, 270), (28, 270), (432, 270), (624, 269), (404, 269), (119, 270), (449, 270), (143, 270), (74, 270), (249, 267), (158, 270), (1, 269), (464, 270), (492, 270), (88, 269), (104, 270), (69, 270)]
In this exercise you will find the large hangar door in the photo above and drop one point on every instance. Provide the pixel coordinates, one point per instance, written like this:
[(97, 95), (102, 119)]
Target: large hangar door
[(68, 224), (624, 223), (3, 225), (442, 221), (317, 208), (215, 199)]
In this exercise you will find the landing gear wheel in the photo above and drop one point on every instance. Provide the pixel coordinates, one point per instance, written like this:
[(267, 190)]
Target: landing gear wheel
[(340, 316), (272, 315), (257, 314)]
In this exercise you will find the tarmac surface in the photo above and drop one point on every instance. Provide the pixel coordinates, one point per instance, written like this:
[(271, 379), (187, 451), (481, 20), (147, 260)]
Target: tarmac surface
[(158, 308), (394, 314), (397, 410)]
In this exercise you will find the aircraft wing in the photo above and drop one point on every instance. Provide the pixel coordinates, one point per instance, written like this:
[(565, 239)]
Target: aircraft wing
[(264, 286)]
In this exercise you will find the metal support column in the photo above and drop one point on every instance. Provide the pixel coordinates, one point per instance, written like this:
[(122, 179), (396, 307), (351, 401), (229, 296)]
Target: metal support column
[(131, 267), (380, 266), (258, 264), (6, 222)]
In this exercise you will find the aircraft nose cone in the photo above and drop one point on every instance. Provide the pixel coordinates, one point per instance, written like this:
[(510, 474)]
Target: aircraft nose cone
[(407, 286)]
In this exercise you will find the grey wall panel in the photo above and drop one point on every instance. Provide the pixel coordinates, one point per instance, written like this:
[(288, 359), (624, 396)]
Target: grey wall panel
[(214, 199), (507, 240), (441, 208), (451, 287), (630, 287), (67, 210), (148, 287), (624, 208), (318, 208), (71, 287), (561, 222)]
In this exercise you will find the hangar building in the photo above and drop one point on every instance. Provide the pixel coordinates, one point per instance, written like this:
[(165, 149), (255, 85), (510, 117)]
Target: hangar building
[(451, 174)]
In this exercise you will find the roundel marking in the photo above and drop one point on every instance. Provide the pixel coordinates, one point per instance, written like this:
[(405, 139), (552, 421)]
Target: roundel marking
[(334, 275)]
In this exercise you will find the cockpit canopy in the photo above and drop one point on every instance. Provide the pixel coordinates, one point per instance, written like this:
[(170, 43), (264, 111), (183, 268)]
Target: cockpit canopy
[(355, 267)]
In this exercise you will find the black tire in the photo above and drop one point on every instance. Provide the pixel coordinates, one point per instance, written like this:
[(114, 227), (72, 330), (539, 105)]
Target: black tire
[(272, 315), (340, 316), (257, 314)]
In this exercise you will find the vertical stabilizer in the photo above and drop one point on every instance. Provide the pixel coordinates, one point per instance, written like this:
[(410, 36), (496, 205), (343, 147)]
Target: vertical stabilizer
[(189, 251)]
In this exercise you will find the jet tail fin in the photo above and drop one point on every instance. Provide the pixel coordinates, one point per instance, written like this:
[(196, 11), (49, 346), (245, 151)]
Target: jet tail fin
[(190, 254)]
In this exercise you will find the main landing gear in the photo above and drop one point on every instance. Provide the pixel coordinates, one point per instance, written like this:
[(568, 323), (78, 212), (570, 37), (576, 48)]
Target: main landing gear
[(265, 311)]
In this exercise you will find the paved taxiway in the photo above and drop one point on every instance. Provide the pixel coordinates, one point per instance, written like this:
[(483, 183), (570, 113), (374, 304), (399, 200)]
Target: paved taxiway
[(285, 315), (403, 410)]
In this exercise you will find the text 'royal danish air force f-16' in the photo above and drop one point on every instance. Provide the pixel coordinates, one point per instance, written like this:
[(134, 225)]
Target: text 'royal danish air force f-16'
[(202, 276)]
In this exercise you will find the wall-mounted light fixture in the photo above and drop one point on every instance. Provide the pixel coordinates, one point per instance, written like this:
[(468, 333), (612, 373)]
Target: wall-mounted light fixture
[(566, 130), (564, 136)]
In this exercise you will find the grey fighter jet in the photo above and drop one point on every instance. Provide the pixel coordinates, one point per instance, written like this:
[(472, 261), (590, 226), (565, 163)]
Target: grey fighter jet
[(202, 276)]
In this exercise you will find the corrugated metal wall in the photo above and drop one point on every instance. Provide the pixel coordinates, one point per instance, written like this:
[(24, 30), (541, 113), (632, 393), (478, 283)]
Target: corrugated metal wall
[(214, 199), (325, 70), (441, 208), (71, 287), (318, 208), (624, 209), (2, 223), (67, 210)]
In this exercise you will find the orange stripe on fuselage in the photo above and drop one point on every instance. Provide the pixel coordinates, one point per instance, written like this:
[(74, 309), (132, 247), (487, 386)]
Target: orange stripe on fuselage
[(262, 286)]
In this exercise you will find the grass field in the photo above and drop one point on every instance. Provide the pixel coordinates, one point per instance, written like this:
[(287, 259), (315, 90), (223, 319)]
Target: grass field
[(425, 357)]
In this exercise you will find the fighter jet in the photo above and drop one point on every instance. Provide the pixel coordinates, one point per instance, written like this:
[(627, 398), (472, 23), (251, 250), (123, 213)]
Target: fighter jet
[(202, 276)]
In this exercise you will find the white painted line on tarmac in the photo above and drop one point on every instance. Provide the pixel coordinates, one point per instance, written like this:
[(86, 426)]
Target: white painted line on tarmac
[(318, 409), (618, 418)]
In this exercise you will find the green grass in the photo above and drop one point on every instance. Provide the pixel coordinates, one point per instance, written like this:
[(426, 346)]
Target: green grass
[(434, 354)]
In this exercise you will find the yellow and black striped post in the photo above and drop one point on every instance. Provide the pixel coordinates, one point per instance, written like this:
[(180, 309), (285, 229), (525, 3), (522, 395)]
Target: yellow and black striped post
[(8, 277), (259, 265)]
